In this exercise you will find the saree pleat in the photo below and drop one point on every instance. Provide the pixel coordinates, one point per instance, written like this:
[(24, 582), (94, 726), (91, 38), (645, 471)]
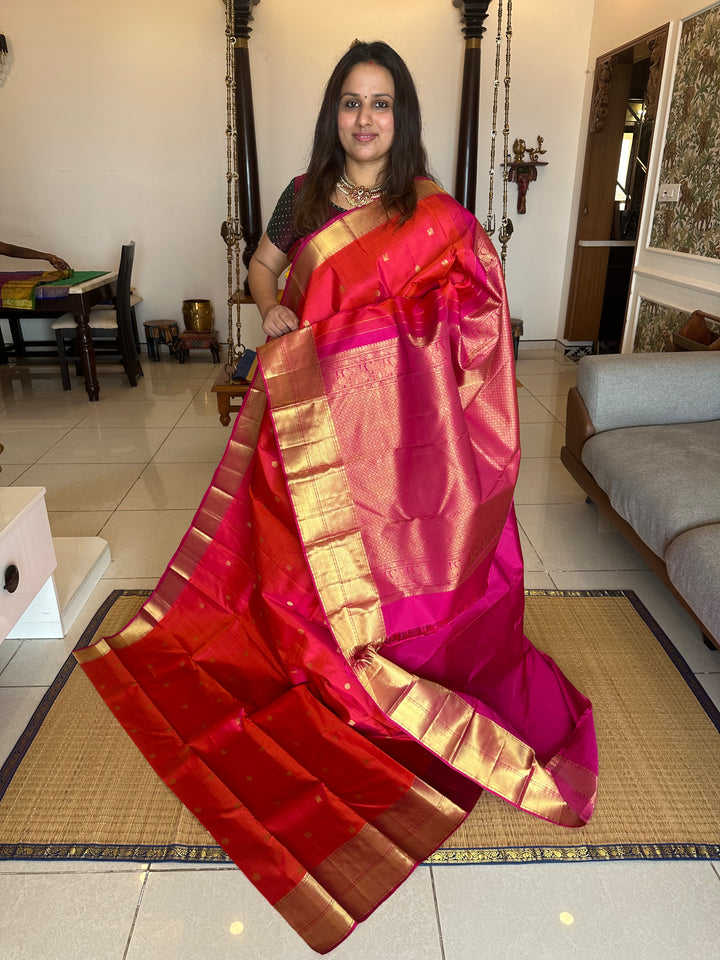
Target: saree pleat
[(333, 666)]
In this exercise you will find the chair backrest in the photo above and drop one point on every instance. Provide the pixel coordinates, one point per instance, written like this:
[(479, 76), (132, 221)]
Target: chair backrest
[(122, 298)]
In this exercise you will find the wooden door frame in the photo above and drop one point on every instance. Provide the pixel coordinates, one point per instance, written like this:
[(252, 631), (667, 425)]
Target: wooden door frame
[(602, 155)]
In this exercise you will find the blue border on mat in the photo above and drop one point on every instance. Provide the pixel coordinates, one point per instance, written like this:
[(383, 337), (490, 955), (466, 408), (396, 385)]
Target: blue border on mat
[(9, 768)]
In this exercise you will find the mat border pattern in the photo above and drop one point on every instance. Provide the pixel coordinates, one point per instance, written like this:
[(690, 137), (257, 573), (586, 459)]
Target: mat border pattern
[(445, 856)]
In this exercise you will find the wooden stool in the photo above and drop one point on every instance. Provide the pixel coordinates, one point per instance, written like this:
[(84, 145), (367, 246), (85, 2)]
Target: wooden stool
[(199, 340), (227, 392), (158, 332)]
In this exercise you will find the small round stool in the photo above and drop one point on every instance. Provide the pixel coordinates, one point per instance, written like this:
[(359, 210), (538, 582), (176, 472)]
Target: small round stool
[(158, 332), (199, 340)]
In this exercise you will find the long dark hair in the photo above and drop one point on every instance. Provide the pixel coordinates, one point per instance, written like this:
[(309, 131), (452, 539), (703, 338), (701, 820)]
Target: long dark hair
[(406, 158)]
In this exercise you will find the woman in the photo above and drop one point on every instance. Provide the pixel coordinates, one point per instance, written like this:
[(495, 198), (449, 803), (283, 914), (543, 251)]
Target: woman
[(333, 667), (356, 158)]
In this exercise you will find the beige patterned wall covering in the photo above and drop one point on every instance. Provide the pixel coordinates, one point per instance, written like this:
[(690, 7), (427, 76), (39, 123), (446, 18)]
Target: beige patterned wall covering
[(691, 156), (657, 323), (655, 327)]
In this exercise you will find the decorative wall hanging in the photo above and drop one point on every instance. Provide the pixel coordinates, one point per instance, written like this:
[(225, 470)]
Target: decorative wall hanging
[(522, 171), (691, 153)]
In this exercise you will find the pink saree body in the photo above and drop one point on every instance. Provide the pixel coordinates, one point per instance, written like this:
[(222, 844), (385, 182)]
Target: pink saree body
[(333, 665)]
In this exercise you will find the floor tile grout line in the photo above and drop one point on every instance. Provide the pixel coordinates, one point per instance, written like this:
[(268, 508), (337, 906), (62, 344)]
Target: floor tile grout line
[(133, 923), (20, 643), (437, 913)]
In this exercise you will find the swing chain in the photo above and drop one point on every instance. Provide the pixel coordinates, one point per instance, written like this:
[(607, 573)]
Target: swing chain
[(506, 225), (231, 230), (490, 220)]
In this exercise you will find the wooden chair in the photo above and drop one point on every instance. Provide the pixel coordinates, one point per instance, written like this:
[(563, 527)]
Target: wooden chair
[(112, 329), (135, 299)]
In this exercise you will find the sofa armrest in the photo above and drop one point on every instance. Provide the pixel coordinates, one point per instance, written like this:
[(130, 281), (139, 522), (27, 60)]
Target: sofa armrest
[(578, 425), (638, 389)]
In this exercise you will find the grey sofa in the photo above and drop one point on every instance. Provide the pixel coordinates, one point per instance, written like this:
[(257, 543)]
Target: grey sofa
[(642, 439)]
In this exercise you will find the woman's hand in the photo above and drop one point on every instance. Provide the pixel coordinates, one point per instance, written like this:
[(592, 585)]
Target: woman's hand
[(279, 320), (57, 262), (267, 263)]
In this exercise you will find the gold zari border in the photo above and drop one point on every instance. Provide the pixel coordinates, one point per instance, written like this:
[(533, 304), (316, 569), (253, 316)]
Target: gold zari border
[(372, 863), (420, 820), (312, 912), (476, 746), (363, 871), (320, 492)]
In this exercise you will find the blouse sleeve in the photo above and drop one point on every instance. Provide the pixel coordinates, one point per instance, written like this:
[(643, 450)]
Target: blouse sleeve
[(280, 229)]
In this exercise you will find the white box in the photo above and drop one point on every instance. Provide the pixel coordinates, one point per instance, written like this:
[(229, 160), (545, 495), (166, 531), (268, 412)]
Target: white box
[(26, 543)]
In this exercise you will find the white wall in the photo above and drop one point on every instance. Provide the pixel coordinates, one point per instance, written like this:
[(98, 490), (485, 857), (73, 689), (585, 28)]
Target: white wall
[(617, 22), (112, 117), (113, 120), (549, 47), (294, 47)]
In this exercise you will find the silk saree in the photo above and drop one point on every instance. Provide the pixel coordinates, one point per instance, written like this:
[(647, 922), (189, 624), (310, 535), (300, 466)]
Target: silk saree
[(333, 666), (17, 290)]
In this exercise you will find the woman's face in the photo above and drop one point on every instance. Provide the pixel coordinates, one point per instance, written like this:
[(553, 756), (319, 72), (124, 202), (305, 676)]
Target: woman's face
[(366, 124)]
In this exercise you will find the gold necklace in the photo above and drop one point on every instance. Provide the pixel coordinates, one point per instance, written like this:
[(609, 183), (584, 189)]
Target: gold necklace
[(358, 196)]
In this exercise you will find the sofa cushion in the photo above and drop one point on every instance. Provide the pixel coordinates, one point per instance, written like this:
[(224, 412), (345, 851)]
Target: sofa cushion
[(693, 565), (662, 479), (637, 389)]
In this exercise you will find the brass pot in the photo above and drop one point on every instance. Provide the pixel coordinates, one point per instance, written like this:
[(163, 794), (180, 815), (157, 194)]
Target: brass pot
[(198, 314)]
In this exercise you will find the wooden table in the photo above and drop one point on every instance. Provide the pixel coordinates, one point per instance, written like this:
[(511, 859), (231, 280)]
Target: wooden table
[(77, 299)]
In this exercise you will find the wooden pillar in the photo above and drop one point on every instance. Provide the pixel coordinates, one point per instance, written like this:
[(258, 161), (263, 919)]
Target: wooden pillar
[(473, 15), (247, 163)]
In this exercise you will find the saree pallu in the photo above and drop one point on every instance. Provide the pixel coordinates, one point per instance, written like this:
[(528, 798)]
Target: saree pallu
[(333, 666)]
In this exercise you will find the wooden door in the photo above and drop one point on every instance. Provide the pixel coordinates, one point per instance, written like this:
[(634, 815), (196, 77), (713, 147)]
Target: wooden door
[(597, 211)]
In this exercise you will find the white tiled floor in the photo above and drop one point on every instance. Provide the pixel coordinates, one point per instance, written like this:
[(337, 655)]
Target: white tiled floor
[(132, 469)]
